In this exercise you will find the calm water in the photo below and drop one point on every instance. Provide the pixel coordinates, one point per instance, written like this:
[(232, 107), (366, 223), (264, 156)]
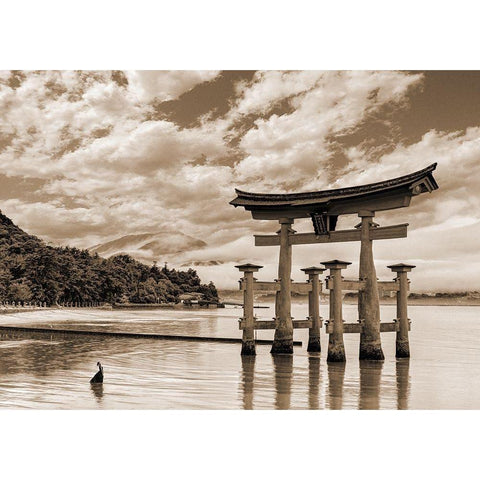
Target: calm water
[(53, 371)]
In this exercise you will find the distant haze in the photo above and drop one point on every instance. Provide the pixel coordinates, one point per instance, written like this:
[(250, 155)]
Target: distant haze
[(146, 163), (149, 247)]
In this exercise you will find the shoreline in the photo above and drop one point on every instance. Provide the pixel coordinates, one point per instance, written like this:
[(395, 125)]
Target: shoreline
[(425, 301), (129, 306), (262, 303)]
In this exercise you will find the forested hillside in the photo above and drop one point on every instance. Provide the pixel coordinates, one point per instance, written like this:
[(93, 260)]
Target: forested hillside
[(30, 270)]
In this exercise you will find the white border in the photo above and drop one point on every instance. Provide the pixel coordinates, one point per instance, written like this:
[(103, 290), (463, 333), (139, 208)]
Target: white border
[(238, 445), (238, 35), (251, 34)]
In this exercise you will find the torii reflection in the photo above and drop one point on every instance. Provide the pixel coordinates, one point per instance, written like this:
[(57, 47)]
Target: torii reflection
[(403, 382), (313, 381), (248, 376), (370, 376), (283, 368), (336, 377), (370, 383), (283, 373)]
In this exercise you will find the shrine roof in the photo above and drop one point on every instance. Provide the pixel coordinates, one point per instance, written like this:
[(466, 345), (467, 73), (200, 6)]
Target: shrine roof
[(422, 179)]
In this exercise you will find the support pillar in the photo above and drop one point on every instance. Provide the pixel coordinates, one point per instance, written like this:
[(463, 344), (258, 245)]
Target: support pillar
[(283, 339), (368, 299), (248, 337), (402, 348), (336, 348), (314, 308)]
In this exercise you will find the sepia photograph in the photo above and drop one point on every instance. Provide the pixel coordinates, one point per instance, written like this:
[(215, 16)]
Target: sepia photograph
[(239, 239)]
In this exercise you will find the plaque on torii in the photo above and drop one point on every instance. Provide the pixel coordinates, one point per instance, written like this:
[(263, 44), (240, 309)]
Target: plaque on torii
[(324, 207)]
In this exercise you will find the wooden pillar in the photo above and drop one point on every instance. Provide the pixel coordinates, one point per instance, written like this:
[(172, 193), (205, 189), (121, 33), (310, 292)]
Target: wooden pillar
[(248, 337), (283, 339), (314, 308), (336, 348), (402, 349), (368, 299)]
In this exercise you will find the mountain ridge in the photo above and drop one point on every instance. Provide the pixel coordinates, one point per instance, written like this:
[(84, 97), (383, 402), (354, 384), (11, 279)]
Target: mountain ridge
[(149, 246), (32, 270)]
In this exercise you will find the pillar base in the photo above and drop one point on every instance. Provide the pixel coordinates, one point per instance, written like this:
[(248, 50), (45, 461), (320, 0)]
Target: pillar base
[(402, 349), (336, 353), (371, 351), (282, 346), (248, 347), (314, 345)]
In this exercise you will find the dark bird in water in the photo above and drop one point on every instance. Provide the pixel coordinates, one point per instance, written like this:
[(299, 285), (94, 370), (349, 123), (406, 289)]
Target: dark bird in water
[(98, 377)]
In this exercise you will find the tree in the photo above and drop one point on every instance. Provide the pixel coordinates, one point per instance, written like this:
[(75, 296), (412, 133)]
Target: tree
[(19, 292), (31, 270)]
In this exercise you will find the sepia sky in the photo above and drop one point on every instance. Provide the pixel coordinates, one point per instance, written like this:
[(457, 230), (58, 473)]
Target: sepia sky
[(87, 157)]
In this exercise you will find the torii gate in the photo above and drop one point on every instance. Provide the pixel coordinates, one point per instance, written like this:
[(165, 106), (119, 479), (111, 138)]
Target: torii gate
[(324, 208)]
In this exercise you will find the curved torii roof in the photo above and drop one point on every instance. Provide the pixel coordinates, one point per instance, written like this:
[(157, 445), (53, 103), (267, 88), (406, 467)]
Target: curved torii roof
[(385, 195)]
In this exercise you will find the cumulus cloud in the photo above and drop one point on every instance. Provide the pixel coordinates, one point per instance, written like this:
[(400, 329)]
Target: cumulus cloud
[(165, 85), (294, 149), (106, 167), (458, 171)]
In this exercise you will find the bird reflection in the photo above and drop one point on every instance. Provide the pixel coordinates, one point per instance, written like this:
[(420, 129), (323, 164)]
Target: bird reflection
[(403, 382), (370, 375), (313, 381), (283, 368), (248, 375), (97, 389), (336, 376)]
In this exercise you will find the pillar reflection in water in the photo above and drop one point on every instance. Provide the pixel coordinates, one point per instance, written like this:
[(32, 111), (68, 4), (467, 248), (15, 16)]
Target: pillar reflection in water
[(283, 368), (370, 376), (403, 382), (336, 377), (248, 376), (313, 381)]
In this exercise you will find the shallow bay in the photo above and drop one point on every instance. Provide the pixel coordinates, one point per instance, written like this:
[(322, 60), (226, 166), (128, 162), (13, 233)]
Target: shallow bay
[(51, 371)]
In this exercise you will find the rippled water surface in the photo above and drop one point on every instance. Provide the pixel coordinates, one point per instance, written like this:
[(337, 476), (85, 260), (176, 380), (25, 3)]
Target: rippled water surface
[(40, 370)]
